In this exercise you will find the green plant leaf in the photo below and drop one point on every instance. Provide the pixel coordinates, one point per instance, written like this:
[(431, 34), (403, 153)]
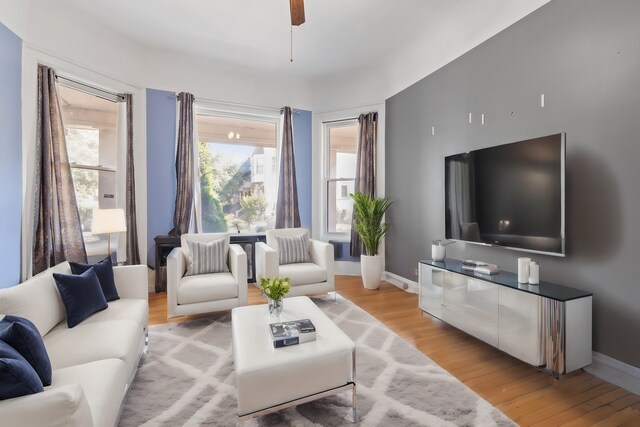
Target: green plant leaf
[(275, 288), (368, 213)]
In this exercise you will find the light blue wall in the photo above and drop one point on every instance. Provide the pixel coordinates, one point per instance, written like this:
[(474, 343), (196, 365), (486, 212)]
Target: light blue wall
[(161, 172), (11, 157), (302, 148)]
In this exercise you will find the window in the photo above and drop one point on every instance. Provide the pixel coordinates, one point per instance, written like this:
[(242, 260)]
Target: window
[(259, 164), (342, 145), (90, 133), (238, 180)]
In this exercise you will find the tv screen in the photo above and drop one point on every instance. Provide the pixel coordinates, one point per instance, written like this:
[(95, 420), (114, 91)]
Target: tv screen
[(509, 195)]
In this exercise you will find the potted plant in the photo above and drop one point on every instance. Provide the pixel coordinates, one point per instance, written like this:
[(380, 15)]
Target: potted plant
[(368, 213), (275, 289)]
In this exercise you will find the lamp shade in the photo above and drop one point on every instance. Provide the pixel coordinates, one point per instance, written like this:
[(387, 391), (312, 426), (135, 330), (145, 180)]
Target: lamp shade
[(108, 221)]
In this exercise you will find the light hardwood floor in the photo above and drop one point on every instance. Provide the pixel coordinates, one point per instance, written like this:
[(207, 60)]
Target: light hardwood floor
[(527, 396)]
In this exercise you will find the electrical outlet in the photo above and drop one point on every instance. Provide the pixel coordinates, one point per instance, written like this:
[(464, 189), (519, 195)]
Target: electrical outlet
[(415, 272)]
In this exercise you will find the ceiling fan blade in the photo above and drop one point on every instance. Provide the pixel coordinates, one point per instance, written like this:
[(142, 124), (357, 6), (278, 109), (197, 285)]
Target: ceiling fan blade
[(297, 12)]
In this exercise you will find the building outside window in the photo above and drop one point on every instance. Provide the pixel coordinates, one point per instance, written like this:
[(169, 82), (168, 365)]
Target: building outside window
[(90, 132), (342, 145), (238, 180)]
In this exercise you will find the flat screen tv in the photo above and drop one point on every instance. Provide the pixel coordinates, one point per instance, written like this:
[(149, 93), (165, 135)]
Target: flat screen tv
[(510, 195)]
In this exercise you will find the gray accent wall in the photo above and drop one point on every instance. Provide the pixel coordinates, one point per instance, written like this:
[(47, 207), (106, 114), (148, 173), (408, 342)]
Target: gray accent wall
[(584, 55)]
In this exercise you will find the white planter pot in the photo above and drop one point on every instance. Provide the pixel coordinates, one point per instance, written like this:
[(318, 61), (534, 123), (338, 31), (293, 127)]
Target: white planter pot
[(371, 268)]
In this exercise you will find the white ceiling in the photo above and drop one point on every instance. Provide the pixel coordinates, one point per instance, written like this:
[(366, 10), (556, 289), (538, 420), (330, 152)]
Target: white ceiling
[(338, 35)]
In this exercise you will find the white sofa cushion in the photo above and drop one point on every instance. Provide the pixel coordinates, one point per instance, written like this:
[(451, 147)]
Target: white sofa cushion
[(104, 383), (37, 299), (207, 287), (60, 406), (303, 273), (89, 342), (293, 249), (205, 258), (284, 232), (202, 238), (122, 309)]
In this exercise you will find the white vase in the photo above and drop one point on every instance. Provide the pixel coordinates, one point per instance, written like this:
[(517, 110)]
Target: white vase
[(371, 268)]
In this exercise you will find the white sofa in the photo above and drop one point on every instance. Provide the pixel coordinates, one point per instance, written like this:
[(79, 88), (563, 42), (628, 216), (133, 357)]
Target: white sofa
[(308, 278), (205, 293), (93, 363)]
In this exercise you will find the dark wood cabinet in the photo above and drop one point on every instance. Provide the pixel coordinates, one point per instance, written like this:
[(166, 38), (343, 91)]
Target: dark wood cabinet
[(248, 243), (164, 246)]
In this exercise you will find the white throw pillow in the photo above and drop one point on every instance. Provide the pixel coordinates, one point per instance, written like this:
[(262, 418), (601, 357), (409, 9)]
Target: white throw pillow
[(208, 257), (293, 249)]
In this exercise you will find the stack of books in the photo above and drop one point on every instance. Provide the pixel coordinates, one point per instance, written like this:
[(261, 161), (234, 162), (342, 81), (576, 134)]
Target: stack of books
[(480, 267), (293, 332)]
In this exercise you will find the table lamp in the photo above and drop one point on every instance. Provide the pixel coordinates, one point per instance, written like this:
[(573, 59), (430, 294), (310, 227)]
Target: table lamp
[(108, 221)]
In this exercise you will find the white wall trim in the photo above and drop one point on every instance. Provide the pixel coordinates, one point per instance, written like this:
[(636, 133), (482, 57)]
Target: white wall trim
[(401, 282), (347, 268), (319, 164), (232, 109), (81, 70), (615, 371), (151, 280)]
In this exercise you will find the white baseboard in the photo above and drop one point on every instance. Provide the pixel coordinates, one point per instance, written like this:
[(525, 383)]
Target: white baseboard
[(347, 268), (152, 280), (350, 268), (401, 282), (616, 372)]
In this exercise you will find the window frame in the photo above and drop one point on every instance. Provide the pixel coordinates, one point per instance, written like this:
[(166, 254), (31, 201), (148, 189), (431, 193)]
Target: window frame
[(92, 248), (233, 111), (327, 179)]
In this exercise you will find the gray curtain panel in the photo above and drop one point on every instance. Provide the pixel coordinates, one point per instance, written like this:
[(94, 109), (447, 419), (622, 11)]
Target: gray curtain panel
[(133, 251), (184, 167), (57, 231), (287, 212), (365, 167)]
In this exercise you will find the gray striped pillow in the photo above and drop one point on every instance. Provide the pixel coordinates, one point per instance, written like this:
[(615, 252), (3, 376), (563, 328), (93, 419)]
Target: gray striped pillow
[(209, 257), (293, 249)]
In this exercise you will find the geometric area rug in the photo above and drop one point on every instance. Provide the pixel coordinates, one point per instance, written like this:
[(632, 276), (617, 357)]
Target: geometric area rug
[(187, 378)]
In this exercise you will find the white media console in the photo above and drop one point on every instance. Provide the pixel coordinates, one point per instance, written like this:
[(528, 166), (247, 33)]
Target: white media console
[(544, 325)]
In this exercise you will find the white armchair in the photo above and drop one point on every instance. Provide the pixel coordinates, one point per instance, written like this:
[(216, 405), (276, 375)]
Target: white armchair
[(315, 277), (205, 293)]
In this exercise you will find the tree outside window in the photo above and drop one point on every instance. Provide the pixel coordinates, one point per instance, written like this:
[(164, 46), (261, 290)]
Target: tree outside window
[(237, 173)]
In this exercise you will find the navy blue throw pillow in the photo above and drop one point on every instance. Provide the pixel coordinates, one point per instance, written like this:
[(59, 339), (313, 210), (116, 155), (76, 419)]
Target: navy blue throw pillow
[(81, 294), (104, 270), (17, 376), (23, 336)]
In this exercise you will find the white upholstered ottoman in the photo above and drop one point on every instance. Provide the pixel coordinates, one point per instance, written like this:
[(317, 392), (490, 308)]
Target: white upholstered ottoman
[(269, 379)]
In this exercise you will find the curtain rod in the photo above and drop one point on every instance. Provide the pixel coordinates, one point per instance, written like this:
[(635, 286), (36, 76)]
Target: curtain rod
[(348, 119), (237, 104), (91, 90)]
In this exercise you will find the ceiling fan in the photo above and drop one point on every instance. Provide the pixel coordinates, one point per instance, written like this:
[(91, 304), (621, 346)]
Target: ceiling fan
[(297, 12)]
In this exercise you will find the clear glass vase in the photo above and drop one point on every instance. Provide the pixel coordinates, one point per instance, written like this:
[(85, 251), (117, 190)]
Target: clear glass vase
[(275, 307)]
